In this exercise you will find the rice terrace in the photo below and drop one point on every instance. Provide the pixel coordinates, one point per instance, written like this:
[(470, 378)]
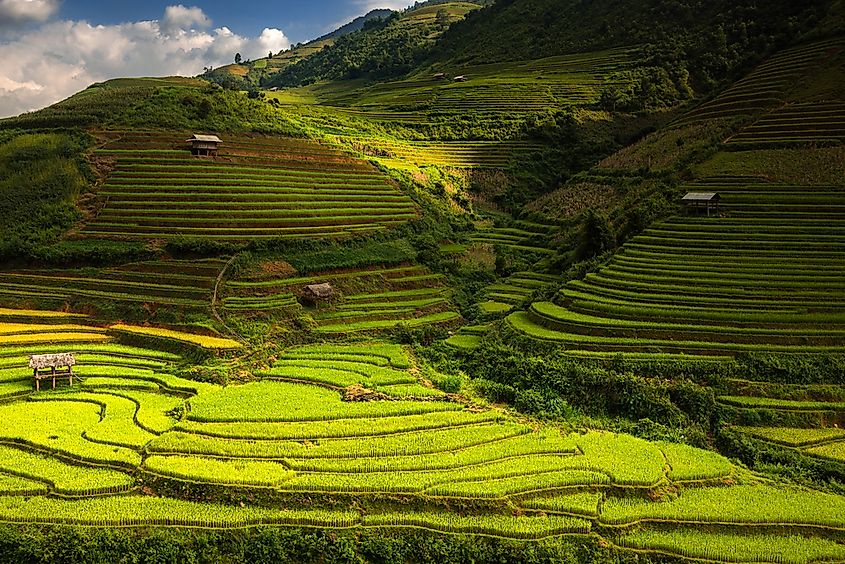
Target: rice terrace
[(528, 281)]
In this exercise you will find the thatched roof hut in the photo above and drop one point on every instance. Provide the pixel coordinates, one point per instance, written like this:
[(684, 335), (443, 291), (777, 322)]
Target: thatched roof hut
[(204, 144), (701, 201), (52, 367), (318, 292), (60, 360)]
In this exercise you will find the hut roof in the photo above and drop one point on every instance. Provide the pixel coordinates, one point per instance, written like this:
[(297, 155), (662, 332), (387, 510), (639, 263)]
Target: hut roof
[(701, 197), (51, 360), (205, 138), (324, 290)]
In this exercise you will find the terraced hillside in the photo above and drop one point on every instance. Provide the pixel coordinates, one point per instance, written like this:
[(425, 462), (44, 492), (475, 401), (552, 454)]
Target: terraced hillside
[(776, 83), (499, 89), (522, 236), (259, 187), (456, 154), (368, 298), (765, 273), (425, 106), (292, 432), (187, 285)]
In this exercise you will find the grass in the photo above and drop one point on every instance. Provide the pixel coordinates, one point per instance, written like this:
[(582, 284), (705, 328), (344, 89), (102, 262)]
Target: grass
[(229, 472), (521, 322), (463, 342), (117, 426), (692, 464), (586, 503), (58, 426), (344, 366), (6, 312), (495, 525), (753, 505), (282, 401), (491, 307), (52, 338), (832, 451), (203, 341), (337, 428), (794, 437), (412, 443), (770, 403), (173, 283), (146, 511), (252, 186), (17, 486), (377, 353), (726, 547), (167, 381), (434, 318), (61, 477)]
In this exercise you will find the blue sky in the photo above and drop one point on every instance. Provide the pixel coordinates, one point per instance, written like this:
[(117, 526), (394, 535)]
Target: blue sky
[(300, 20), (52, 49)]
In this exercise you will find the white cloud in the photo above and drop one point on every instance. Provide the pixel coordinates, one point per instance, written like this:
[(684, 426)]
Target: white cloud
[(57, 59), (273, 40), (24, 11), (369, 5), (178, 18)]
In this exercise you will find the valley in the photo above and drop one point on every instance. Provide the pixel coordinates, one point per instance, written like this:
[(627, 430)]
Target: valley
[(432, 299)]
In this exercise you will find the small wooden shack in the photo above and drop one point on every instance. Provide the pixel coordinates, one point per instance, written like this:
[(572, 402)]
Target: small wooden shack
[(460, 78), (204, 145), (52, 366), (699, 202), (438, 76), (315, 293)]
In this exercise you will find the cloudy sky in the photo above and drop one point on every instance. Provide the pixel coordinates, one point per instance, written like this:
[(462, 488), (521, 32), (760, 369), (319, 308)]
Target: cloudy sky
[(53, 48)]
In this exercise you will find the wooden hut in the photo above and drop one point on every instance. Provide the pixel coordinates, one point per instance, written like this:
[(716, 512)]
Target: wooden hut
[(204, 145), (698, 202), (439, 75), (315, 293), (52, 366), (460, 78)]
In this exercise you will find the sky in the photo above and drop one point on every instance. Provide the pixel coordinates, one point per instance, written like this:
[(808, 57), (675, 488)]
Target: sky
[(52, 49)]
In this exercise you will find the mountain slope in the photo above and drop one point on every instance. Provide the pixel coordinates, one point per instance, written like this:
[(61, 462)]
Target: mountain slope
[(383, 48), (356, 24), (765, 272)]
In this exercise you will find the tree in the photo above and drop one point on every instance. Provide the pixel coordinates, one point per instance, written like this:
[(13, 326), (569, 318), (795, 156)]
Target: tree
[(597, 235), (238, 58), (270, 55)]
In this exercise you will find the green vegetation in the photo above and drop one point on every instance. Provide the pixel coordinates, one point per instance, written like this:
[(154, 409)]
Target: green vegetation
[(735, 548), (738, 504), (529, 351), (42, 175), (264, 402), (203, 341), (155, 191), (60, 477)]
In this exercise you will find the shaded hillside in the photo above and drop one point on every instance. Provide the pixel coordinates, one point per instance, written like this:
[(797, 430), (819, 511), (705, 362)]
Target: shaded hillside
[(382, 48), (711, 37), (702, 41), (356, 24), (764, 269)]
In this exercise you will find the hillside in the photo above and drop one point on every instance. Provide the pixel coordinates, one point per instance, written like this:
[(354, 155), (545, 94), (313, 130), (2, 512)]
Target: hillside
[(251, 74), (381, 49), (356, 25), (436, 296)]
